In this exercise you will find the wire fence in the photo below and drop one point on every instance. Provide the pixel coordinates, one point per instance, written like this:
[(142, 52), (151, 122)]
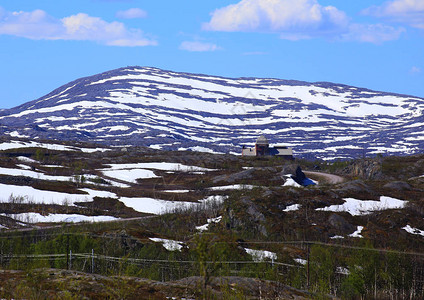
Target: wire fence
[(159, 269), (92, 257), (323, 267)]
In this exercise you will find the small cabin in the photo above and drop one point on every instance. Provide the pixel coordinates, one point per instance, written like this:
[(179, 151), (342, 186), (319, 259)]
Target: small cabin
[(262, 148)]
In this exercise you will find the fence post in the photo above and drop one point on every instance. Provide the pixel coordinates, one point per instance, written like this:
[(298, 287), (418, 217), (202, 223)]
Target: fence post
[(67, 251), (307, 266), (92, 260), (70, 259)]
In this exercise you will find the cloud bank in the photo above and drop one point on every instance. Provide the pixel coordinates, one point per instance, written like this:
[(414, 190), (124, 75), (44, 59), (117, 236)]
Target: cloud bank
[(296, 20), (304, 17), (372, 33), (38, 25), (410, 12)]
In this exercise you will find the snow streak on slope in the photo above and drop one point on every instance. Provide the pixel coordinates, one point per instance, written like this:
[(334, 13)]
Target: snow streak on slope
[(170, 110)]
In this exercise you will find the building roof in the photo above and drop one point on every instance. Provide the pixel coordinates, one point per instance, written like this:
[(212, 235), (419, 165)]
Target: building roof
[(262, 140)]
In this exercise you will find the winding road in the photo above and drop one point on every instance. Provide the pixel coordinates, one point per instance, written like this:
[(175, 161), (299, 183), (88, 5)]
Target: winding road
[(328, 178)]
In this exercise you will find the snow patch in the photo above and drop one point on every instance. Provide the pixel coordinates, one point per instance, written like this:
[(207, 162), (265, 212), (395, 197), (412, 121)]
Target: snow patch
[(261, 255), (363, 207), (130, 175), (163, 166), (169, 245), (155, 206), (27, 194), (217, 199), (209, 221), (31, 217), (301, 261), (293, 207), (232, 187), (176, 191), (56, 147), (357, 233), (412, 230), (27, 159), (290, 182)]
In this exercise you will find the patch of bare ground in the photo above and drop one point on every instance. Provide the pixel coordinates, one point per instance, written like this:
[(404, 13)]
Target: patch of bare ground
[(97, 207), (109, 206), (57, 186)]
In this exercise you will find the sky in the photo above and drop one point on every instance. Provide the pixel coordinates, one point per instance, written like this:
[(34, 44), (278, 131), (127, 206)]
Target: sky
[(374, 44)]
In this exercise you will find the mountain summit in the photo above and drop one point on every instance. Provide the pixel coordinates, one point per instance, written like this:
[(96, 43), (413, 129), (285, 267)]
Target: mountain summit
[(179, 111)]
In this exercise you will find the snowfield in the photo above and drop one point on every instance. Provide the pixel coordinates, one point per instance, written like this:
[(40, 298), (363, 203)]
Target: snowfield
[(125, 172), (363, 207), (27, 194), (180, 111), (130, 175), (57, 218), (157, 206), (57, 147), (163, 166), (132, 172), (33, 174)]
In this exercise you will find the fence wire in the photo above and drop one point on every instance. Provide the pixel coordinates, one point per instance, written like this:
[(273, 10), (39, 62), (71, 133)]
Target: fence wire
[(391, 272)]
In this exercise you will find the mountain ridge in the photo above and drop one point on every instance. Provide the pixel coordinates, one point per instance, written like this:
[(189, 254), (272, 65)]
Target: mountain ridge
[(147, 106)]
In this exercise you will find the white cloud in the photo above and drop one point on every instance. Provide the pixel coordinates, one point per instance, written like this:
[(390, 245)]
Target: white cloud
[(410, 12), (415, 70), (33, 25), (132, 13), (298, 20), (293, 19), (372, 33), (38, 25), (198, 46)]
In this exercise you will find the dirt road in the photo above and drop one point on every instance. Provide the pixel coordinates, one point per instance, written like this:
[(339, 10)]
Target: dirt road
[(326, 177)]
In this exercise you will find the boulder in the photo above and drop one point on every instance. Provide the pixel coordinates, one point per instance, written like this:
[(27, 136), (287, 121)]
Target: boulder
[(340, 224), (366, 169), (355, 186), (398, 186), (253, 210), (289, 169), (245, 174)]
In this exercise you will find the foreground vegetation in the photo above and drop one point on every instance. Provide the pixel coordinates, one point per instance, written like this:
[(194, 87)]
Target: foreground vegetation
[(303, 252)]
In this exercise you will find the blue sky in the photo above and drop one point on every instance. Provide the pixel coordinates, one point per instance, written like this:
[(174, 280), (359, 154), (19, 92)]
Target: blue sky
[(373, 44)]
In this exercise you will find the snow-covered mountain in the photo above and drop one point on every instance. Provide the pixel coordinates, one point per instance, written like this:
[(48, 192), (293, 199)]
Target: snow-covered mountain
[(177, 111)]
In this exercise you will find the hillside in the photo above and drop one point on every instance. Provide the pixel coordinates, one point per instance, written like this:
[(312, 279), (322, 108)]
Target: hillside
[(170, 215), (167, 110)]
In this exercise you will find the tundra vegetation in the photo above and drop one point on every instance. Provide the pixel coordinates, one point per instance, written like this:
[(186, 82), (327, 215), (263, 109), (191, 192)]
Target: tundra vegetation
[(254, 238)]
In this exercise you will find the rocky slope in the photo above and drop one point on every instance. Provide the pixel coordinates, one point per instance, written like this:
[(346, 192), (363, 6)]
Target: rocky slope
[(174, 111)]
